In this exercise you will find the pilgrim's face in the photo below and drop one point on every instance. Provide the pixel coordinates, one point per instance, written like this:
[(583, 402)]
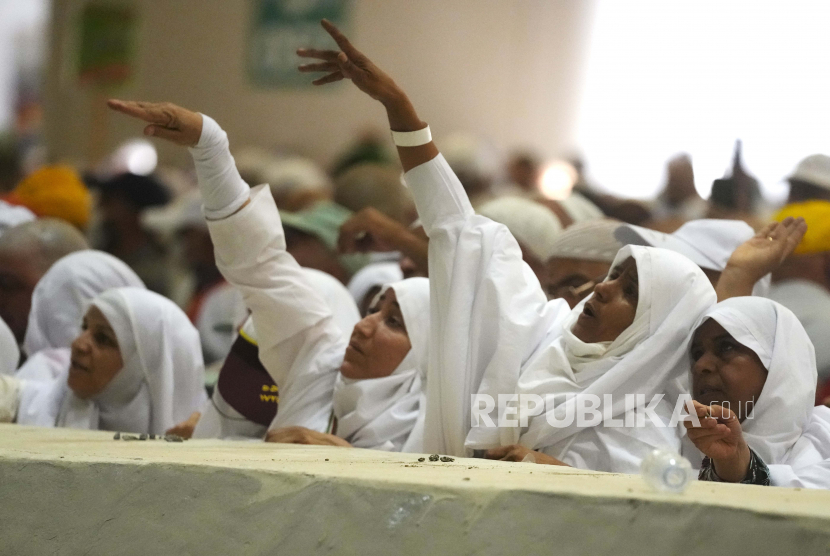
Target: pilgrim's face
[(379, 342), (725, 372), (563, 274), (19, 274), (612, 307), (96, 358)]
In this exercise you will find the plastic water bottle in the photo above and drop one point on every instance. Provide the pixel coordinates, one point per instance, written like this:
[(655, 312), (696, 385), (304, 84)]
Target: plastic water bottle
[(666, 471)]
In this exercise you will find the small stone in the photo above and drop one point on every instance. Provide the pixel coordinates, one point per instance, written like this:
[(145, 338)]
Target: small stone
[(173, 438), (422, 459), (129, 437), (143, 436), (434, 457), (152, 437), (447, 459), (117, 436), (327, 459), (466, 478)]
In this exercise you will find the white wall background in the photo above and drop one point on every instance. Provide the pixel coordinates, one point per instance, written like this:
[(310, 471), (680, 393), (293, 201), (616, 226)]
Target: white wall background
[(671, 76), (509, 70)]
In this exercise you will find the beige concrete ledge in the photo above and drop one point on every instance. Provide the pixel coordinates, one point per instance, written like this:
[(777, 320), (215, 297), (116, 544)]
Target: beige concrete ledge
[(80, 492)]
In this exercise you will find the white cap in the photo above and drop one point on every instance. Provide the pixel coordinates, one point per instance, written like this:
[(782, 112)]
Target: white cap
[(588, 241), (706, 242), (815, 169)]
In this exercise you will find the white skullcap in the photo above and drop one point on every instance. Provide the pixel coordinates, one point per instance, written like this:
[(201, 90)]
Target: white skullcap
[(588, 241), (533, 225), (815, 169)]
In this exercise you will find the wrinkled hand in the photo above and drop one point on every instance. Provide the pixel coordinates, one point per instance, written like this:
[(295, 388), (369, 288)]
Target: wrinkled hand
[(302, 435), (185, 428), (768, 248), (519, 453), (720, 437), (370, 230), (167, 121), (348, 63)]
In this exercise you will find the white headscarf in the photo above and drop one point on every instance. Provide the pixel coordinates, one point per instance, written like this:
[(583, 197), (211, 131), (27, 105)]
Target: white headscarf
[(370, 276), (9, 352), (62, 296), (381, 413), (644, 359), (707, 242), (160, 384), (783, 428)]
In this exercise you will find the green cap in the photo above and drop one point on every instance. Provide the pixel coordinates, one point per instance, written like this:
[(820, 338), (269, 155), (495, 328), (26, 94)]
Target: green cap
[(323, 221)]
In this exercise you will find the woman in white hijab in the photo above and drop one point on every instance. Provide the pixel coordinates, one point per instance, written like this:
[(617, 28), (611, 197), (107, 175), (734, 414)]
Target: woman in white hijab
[(59, 302), (299, 342), (9, 352), (61, 297), (381, 412), (136, 367), (668, 294), (754, 375)]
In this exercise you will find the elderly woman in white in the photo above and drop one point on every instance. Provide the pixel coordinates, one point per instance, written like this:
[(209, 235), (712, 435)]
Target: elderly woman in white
[(753, 374), (136, 366)]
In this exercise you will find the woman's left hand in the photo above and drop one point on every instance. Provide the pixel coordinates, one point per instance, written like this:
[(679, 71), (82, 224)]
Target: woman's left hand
[(519, 453), (302, 435)]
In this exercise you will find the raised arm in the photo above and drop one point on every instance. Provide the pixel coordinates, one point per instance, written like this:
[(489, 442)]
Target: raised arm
[(350, 63), (487, 308), (299, 344)]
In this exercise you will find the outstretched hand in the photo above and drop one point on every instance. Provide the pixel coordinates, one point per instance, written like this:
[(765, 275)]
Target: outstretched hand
[(348, 63), (763, 253), (758, 256), (167, 121)]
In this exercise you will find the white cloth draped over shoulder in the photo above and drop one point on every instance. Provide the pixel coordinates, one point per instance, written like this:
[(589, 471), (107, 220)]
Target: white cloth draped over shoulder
[(62, 296), (491, 321), (381, 413), (790, 435), (160, 384), (9, 352), (299, 342)]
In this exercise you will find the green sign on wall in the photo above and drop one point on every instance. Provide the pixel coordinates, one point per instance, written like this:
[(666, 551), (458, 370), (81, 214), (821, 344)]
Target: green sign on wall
[(283, 26), (107, 44)]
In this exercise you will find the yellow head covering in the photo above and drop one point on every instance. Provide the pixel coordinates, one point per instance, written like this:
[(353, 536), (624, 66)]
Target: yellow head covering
[(817, 216), (55, 191)]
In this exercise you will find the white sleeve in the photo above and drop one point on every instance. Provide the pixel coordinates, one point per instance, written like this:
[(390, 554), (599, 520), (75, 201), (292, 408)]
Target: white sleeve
[(299, 343), (812, 476), (487, 309)]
